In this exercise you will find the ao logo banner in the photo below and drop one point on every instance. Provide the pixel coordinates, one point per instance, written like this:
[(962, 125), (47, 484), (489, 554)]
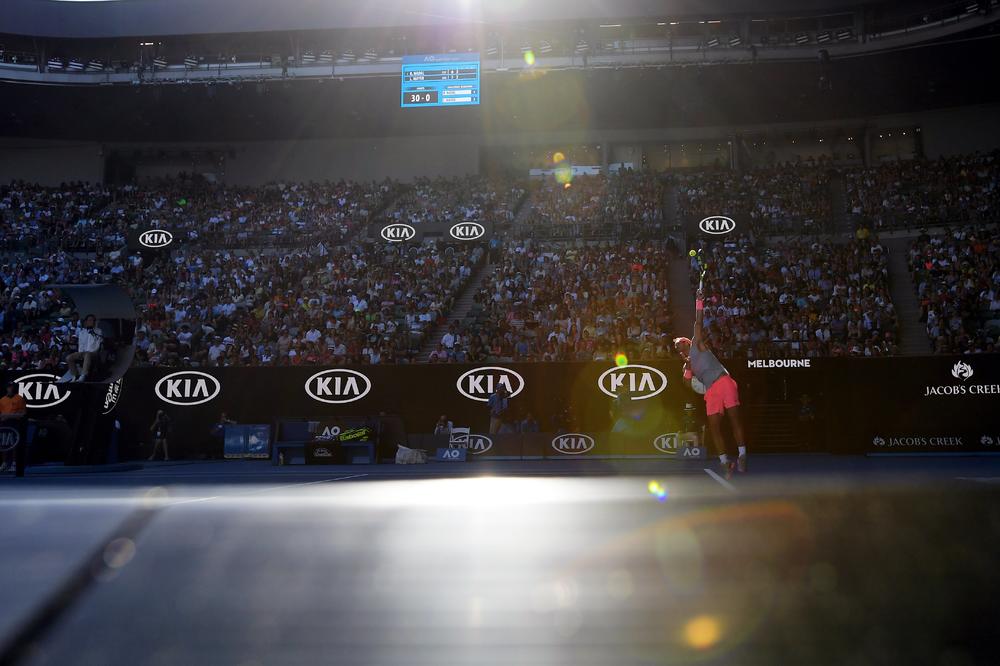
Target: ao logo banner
[(466, 231), (717, 225), (573, 443), (9, 437), (397, 233), (336, 387), (112, 396), (187, 388), (155, 238), (40, 390), (480, 383), (639, 382)]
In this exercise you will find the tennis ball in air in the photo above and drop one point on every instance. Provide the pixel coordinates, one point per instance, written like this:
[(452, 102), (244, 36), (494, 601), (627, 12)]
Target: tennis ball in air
[(692, 253)]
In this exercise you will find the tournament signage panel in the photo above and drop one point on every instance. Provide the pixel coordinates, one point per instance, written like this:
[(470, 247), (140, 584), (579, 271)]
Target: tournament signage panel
[(448, 79)]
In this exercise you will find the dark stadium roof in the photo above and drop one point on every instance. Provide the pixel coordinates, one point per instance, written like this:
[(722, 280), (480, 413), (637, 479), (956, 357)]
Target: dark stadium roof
[(118, 18)]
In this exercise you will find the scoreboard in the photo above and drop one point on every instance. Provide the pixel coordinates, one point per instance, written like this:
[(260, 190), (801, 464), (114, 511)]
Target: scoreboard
[(449, 79)]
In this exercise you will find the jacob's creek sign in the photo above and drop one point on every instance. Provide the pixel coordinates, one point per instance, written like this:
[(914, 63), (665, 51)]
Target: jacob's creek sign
[(962, 373), (915, 441)]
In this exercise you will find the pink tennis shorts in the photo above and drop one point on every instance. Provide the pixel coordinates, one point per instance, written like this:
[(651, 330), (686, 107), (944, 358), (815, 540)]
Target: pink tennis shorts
[(722, 395)]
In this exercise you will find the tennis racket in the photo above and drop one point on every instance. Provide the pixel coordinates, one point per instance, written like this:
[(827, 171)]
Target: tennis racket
[(696, 255)]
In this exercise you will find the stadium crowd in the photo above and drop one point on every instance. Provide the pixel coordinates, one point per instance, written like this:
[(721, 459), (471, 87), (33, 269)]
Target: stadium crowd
[(778, 200), (923, 193), (798, 298), (957, 278), (556, 303), (474, 198)]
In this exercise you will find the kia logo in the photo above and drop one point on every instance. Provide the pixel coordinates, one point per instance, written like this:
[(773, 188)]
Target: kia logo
[(397, 233), (666, 443), (639, 381), (466, 231), (111, 397), (40, 390), (573, 443), (479, 444), (187, 388), (717, 225), (155, 238), (480, 383), (336, 387), (9, 437)]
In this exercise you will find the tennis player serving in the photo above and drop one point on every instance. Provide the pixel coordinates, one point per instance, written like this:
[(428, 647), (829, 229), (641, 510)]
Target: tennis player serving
[(705, 374)]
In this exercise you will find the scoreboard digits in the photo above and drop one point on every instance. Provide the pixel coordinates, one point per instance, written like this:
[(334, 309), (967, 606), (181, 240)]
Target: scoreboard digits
[(450, 79)]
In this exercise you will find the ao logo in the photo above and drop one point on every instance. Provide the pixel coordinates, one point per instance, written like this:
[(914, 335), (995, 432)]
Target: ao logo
[(40, 390), (155, 238), (878, 441), (480, 383), (640, 381), (9, 437), (187, 388), (717, 225), (573, 443), (336, 387), (961, 370), (466, 231), (330, 431), (397, 233), (113, 394)]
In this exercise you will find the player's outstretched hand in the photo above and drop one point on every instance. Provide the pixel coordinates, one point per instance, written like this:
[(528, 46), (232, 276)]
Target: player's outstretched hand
[(700, 294)]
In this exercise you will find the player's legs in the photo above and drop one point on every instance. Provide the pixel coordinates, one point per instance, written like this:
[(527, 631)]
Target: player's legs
[(736, 423), (718, 441)]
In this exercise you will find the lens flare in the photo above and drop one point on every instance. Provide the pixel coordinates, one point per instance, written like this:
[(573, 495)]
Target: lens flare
[(702, 632), (558, 157), (621, 359), (529, 58), (657, 490)]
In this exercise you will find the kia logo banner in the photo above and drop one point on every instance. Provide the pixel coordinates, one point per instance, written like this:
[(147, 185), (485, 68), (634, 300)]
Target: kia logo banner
[(40, 390), (717, 225), (187, 388), (9, 438), (476, 444), (573, 443), (467, 231), (639, 382), (155, 238), (336, 387), (480, 383), (397, 233)]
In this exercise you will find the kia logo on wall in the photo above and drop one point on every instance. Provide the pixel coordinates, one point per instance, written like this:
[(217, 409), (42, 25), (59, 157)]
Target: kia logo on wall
[(9, 437), (40, 390), (187, 388), (666, 443), (639, 381), (112, 395), (336, 387), (397, 233), (466, 231), (717, 225), (479, 444), (573, 443), (155, 238), (480, 383)]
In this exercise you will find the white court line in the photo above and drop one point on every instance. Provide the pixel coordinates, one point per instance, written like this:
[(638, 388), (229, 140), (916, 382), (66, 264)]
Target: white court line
[(265, 490), (981, 479), (722, 482)]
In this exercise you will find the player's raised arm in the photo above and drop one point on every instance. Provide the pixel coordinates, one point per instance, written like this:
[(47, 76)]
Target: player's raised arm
[(699, 311)]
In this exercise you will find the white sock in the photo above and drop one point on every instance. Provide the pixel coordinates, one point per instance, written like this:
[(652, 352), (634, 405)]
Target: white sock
[(724, 458), (743, 450)]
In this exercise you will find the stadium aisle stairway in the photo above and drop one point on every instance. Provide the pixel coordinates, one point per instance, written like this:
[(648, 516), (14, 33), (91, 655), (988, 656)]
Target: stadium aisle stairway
[(463, 306), (912, 332)]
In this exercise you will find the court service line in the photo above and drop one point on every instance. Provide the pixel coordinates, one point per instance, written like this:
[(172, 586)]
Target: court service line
[(266, 490), (722, 482)]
